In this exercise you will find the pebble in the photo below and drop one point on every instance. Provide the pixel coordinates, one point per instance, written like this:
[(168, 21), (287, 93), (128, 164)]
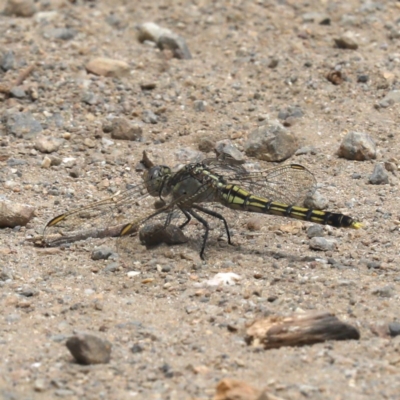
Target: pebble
[(46, 163), (271, 142), (23, 124), (206, 144), (6, 274), (47, 144), (393, 97), (379, 175), (148, 117), (108, 67), (290, 112), (157, 233), (14, 214), (20, 8), (8, 61), (315, 231), (59, 33), (322, 244), (164, 39), (357, 146), (40, 385), (102, 253), (199, 105), (346, 42), (226, 147), (124, 130), (394, 329), (89, 349), (317, 17), (316, 201), (254, 224), (112, 267), (18, 92), (384, 291)]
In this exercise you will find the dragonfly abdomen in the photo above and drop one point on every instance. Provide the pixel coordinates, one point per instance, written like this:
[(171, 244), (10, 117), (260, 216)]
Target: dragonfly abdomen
[(237, 198)]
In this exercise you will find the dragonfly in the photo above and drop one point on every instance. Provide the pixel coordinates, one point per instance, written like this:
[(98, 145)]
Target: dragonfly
[(191, 191)]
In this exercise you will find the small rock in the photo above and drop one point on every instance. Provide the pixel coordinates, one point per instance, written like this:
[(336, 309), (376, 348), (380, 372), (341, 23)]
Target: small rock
[(315, 231), (254, 224), (223, 279), (316, 201), (306, 150), (206, 144), (394, 329), (8, 61), (346, 42), (46, 163), (112, 267), (108, 67), (227, 148), (164, 38), (379, 175), (154, 234), (271, 142), (6, 274), (357, 146), (148, 86), (385, 291), (230, 389), (393, 97), (90, 98), (89, 349), (14, 214), (20, 8), (335, 77), (124, 130), (319, 18), (59, 33), (18, 92), (149, 117), (23, 124), (102, 253), (362, 78), (199, 105), (290, 112), (40, 385), (75, 172), (322, 244), (47, 144)]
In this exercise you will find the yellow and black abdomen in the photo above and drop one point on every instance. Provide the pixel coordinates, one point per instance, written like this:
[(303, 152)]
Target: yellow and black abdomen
[(237, 198)]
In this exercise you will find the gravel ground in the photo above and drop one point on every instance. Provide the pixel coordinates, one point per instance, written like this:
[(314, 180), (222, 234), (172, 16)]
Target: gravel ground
[(172, 335)]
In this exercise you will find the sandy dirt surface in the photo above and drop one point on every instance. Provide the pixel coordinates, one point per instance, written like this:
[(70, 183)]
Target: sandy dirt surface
[(173, 337)]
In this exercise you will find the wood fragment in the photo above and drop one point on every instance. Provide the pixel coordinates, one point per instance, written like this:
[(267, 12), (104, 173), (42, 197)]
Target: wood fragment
[(299, 330)]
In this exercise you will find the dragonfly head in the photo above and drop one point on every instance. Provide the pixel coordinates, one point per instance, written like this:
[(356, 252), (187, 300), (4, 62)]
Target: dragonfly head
[(155, 178)]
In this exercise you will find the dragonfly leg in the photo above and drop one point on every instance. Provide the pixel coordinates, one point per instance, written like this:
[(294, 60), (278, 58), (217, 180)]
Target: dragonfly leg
[(216, 215), (206, 227), (187, 215)]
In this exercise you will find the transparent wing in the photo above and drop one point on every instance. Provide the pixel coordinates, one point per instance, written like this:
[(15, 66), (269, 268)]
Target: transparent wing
[(289, 184), (97, 219)]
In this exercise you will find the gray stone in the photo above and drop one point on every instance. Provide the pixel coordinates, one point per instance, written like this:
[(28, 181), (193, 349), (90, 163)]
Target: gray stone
[(102, 253), (23, 124), (316, 201), (290, 112), (379, 175), (59, 33), (124, 130), (148, 117), (20, 8), (8, 61), (14, 214), (322, 244), (157, 233), (346, 42), (357, 146), (227, 148), (199, 105), (18, 92), (315, 231), (394, 329), (89, 349), (271, 142), (47, 144), (393, 97), (164, 39), (6, 274), (317, 17), (112, 267), (385, 291), (90, 98)]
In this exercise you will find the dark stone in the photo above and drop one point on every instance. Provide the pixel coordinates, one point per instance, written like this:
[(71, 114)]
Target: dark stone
[(379, 175), (89, 349)]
